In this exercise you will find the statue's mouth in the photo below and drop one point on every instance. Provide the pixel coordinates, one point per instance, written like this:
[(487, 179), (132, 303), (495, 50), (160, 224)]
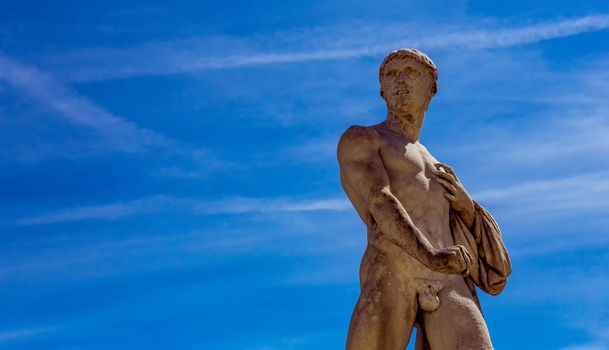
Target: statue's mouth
[(401, 92)]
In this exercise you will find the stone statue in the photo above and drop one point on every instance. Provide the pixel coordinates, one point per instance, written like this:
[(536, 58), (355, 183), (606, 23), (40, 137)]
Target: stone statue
[(429, 243)]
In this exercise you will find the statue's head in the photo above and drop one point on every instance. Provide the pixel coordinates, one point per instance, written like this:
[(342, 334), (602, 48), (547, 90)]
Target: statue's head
[(408, 80)]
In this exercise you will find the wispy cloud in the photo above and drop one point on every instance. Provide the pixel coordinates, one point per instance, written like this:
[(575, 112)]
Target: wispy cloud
[(547, 161), (562, 133), (556, 196), (560, 243), (155, 204), (587, 346), (556, 114), (346, 41), (316, 150), (111, 132), (559, 196), (600, 339), (24, 333), (575, 282), (111, 211), (95, 254), (74, 108), (248, 205)]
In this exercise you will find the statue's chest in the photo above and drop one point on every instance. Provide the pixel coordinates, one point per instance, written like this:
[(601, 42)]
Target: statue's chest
[(409, 167)]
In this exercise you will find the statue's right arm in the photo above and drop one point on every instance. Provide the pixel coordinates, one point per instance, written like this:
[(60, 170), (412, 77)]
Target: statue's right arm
[(364, 173)]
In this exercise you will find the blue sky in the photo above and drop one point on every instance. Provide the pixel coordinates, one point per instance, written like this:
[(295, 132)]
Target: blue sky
[(168, 176)]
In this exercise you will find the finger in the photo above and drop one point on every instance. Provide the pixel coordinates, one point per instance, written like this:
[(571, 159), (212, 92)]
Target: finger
[(460, 263), (468, 257), (466, 254), (446, 176), (442, 166), (463, 260), (447, 168), (449, 187), (439, 166), (450, 197)]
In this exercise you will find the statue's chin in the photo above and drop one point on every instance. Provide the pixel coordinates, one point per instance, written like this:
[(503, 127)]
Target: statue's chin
[(411, 108), (404, 108)]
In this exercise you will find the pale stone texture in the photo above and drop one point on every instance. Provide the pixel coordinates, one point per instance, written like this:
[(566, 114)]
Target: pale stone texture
[(429, 243)]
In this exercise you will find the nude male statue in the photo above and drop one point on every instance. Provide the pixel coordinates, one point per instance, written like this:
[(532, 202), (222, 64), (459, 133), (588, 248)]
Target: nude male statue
[(429, 243)]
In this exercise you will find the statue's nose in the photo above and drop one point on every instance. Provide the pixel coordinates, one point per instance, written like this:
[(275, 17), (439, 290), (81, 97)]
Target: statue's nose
[(404, 77)]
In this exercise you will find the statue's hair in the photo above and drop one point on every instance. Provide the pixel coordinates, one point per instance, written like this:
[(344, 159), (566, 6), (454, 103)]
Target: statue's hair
[(413, 54)]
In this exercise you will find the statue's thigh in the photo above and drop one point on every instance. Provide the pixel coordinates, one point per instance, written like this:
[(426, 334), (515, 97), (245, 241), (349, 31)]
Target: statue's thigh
[(383, 317), (457, 323)]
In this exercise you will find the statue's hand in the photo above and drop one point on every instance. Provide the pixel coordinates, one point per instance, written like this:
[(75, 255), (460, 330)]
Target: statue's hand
[(451, 260), (456, 194)]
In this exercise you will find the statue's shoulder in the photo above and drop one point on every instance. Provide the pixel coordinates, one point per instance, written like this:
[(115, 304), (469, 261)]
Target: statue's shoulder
[(357, 138), (359, 134)]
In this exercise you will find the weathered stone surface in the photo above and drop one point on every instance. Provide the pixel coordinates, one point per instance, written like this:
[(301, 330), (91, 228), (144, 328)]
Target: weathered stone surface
[(429, 242)]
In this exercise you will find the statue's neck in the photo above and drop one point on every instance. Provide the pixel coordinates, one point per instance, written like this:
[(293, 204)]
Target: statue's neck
[(407, 124)]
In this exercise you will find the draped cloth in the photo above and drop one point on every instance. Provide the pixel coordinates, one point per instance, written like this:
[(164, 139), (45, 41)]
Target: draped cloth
[(491, 264)]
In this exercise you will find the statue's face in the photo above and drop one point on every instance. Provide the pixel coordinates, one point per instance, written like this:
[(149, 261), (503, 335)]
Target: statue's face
[(407, 85)]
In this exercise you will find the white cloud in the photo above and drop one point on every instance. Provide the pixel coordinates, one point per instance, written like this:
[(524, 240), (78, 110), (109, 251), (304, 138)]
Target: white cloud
[(76, 109), (346, 41), (155, 204), (316, 150), (587, 346), (95, 253), (574, 194), (240, 205), (19, 334), (111, 211), (598, 331), (599, 334), (567, 116), (114, 133), (563, 197)]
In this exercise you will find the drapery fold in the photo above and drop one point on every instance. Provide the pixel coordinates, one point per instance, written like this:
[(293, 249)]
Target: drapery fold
[(491, 263)]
